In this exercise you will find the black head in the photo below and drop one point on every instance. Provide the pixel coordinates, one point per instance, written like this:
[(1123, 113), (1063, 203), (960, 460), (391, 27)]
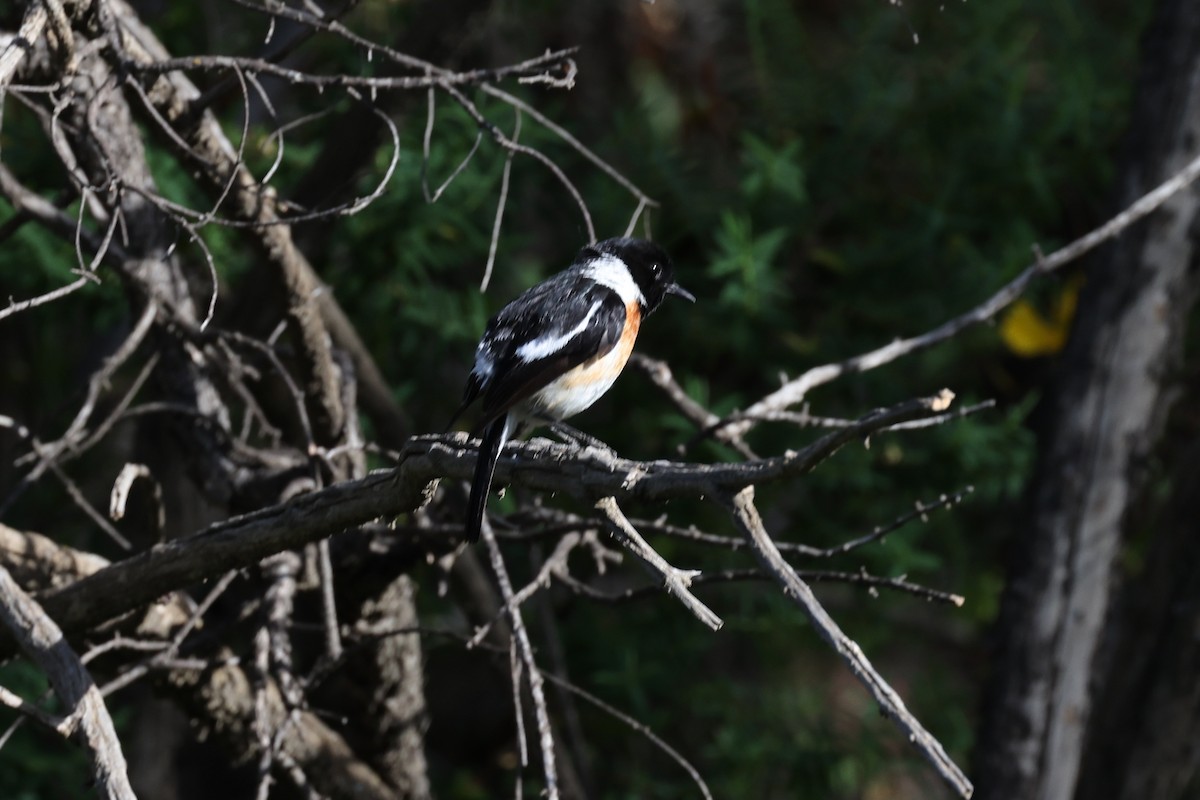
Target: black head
[(649, 265)]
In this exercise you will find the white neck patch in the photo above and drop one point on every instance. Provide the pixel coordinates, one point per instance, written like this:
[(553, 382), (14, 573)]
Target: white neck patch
[(613, 272)]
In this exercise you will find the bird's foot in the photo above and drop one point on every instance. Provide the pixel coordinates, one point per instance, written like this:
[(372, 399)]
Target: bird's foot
[(578, 438)]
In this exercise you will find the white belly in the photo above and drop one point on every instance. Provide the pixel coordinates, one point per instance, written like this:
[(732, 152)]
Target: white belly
[(581, 387)]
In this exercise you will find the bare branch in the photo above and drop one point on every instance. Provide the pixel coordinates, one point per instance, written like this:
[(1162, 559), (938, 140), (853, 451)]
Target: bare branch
[(17, 306), (795, 391), (88, 722), (500, 203), (41, 565), (525, 650), (239, 542), (588, 473), (591, 473), (513, 147), (659, 372), (641, 728), (861, 578), (562, 133), (745, 515), (14, 51), (534, 67), (676, 581)]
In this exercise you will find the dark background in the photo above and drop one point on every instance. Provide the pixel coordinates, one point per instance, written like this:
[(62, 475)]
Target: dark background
[(831, 175)]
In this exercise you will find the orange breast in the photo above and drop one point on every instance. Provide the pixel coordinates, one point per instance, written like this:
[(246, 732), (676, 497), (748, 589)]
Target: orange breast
[(584, 385), (608, 366)]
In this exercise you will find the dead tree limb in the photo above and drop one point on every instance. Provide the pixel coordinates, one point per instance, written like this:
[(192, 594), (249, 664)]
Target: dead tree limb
[(542, 465), (746, 517), (216, 698), (87, 722)]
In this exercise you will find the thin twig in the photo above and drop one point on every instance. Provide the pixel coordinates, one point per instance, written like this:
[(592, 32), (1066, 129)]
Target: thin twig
[(676, 581), (333, 636), (920, 511), (746, 517), (505, 174), (537, 155), (433, 197), (217, 63), (578, 146), (659, 372), (806, 419), (51, 452), (557, 523), (17, 306), (640, 727), (521, 637), (795, 391), (861, 578), (555, 564)]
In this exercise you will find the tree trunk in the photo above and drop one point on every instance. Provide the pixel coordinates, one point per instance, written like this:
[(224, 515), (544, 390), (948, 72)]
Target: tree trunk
[(1104, 415), (1144, 743)]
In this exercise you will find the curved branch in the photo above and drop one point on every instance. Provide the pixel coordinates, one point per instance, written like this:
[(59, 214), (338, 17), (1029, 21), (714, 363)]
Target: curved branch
[(88, 722)]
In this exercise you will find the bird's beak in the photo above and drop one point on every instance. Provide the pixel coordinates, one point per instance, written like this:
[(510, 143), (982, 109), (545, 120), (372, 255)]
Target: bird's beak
[(679, 291)]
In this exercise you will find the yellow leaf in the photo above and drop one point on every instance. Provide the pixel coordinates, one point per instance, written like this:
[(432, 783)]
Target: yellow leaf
[(1029, 334)]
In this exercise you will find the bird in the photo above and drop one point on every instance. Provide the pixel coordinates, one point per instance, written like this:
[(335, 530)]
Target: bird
[(559, 346)]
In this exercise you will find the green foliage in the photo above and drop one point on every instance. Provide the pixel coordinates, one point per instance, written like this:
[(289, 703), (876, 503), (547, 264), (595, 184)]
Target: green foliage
[(870, 188), (826, 185), (743, 265), (416, 282), (38, 765)]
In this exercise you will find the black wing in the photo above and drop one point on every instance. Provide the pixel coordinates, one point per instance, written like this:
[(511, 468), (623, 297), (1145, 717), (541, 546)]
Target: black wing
[(550, 328)]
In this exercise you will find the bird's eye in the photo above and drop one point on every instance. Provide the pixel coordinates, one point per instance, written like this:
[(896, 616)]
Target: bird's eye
[(656, 268)]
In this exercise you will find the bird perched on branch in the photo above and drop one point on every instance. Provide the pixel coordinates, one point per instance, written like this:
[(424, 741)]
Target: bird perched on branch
[(554, 350)]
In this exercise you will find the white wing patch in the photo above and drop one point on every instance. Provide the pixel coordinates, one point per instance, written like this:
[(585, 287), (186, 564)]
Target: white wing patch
[(548, 345), (485, 361), (610, 271), (483, 365)]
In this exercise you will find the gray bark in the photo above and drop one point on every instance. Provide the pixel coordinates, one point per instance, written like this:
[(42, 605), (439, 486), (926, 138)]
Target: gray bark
[(1104, 417), (398, 702), (1145, 741)]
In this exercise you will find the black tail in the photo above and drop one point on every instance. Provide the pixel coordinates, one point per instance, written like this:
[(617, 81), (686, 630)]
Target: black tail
[(494, 436)]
